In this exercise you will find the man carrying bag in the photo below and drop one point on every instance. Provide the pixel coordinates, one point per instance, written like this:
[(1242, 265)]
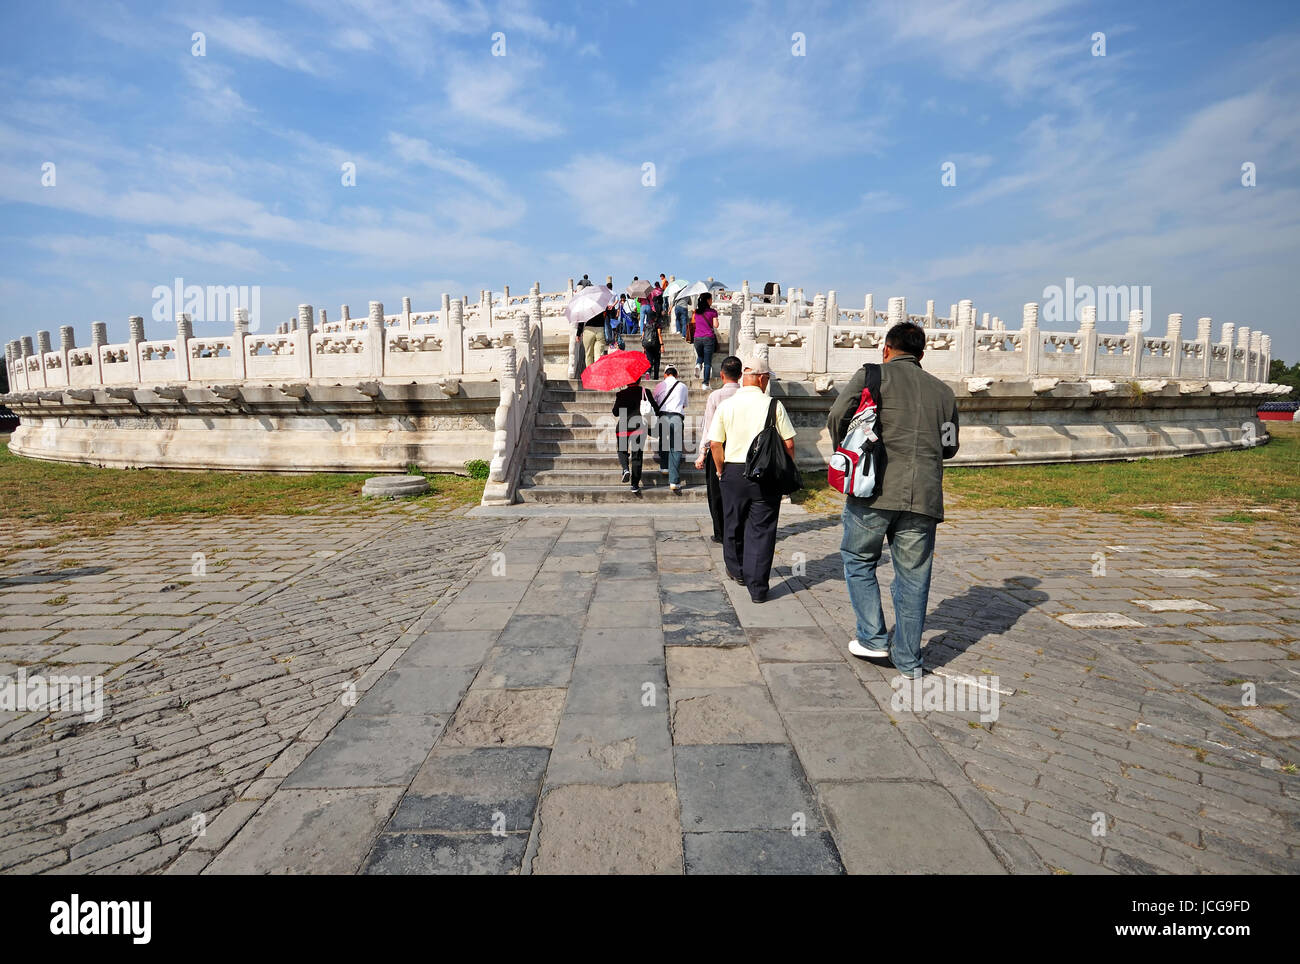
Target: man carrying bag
[(748, 431), (915, 418)]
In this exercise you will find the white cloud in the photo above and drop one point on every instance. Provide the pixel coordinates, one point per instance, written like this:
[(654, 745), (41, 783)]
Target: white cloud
[(251, 38), (606, 196)]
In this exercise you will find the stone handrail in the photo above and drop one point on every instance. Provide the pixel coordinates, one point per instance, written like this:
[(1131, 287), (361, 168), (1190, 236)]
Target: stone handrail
[(956, 347), (522, 376), (800, 338)]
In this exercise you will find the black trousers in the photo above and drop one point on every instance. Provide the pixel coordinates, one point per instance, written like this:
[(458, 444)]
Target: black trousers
[(654, 353), (631, 451), (714, 489), (749, 521)]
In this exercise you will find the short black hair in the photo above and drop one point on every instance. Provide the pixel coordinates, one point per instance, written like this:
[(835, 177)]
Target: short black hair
[(732, 368), (671, 370), (906, 336)]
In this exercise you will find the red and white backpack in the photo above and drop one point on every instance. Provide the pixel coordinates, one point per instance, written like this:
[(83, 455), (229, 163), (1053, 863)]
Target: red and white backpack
[(855, 468)]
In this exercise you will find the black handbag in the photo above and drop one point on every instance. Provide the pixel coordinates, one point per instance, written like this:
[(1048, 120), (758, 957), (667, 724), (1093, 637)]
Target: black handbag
[(768, 463)]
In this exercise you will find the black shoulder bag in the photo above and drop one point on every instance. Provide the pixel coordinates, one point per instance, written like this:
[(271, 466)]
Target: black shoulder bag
[(768, 463)]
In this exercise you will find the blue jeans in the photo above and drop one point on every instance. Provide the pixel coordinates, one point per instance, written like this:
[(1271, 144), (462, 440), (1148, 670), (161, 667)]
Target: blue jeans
[(704, 349), (681, 317), (911, 550), (670, 445)]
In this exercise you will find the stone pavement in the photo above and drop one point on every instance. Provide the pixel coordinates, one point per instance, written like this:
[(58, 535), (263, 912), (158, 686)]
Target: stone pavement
[(571, 692), (222, 644)]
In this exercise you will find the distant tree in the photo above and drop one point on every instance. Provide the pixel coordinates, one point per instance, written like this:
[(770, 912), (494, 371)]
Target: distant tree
[(1281, 373)]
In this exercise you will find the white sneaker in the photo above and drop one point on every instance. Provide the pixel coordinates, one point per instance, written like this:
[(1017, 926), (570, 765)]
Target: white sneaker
[(857, 649)]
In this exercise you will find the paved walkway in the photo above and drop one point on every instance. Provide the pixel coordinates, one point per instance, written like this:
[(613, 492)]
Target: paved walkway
[(567, 693)]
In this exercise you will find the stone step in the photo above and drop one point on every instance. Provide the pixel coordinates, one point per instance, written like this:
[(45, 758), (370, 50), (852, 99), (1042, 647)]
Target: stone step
[(599, 405), (566, 495), (650, 476), (694, 390), (567, 419), (585, 447), (560, 433), (601, 464)]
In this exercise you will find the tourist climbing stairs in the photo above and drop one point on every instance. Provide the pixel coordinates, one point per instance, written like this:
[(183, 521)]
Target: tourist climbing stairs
[(573, 455)]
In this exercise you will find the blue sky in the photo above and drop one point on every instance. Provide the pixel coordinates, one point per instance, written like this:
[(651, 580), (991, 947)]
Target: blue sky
[(822, 170)]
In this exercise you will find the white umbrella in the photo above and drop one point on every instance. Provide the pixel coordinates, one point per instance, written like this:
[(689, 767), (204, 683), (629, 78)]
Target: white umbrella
[(587, 303), (691, 292), (670, 293)]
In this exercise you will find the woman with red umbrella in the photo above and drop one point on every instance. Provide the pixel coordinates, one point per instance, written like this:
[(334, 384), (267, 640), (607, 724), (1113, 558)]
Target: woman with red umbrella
[(622, 370), (632, 430)]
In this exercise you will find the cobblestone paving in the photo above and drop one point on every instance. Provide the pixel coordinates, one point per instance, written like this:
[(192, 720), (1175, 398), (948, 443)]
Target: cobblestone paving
[(215, 665), (598, 697), (1138, 730)]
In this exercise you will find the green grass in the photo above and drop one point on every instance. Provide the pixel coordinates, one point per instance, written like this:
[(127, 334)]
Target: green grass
[(95, 500), (1265, 476)]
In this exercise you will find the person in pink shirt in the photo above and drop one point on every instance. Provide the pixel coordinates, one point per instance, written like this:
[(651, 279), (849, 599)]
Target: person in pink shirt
[(706, 336)]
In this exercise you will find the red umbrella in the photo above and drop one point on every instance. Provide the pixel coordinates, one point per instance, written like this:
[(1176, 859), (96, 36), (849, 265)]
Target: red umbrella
[(613, 371)]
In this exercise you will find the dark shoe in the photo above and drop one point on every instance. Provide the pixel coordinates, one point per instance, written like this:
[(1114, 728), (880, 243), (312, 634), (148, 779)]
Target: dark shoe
[(758, 597), (627, 476), (736, 579), (716, 539)]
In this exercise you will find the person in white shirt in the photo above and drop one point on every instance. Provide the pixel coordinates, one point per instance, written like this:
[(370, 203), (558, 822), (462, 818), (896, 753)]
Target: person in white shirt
[(750, 514), (670, 397)]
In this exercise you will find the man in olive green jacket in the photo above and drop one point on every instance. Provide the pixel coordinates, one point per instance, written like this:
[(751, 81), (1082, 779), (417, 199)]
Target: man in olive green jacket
[(917, 425)]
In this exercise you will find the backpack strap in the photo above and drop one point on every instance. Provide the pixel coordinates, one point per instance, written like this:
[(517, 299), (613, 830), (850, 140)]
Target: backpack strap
[(873, 373)]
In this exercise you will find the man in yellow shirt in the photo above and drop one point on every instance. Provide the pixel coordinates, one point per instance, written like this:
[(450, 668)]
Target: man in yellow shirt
[(749, 515)]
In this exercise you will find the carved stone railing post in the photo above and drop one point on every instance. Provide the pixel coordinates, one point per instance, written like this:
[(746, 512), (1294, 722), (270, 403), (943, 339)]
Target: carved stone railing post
[(1226, 340), (746, 298), (930, 319), (966, 313), (1241, 370), (869, 310), (897, 311), (42, 347), (819, 345), (832, 307), (98, 339), (1174, 335), (345, 317), (1205, 338), (406, 313), (184, 332), (1030, 342), (135, 326), (1265, 357), (744, 347), (791, 306), (1256, 344), (453, 346), (1137, 340), (238, 349), (373, 338), (503, 441)]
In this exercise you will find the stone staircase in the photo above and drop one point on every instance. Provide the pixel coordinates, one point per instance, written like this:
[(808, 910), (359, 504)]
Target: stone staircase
[(568, 461)]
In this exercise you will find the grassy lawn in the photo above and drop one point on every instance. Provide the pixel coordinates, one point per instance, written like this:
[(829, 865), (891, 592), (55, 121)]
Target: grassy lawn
[(1222, 484), (89, 500)]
